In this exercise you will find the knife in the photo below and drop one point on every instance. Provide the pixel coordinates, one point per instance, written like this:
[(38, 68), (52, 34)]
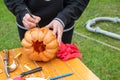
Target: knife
[(20, 76), (6, 62), (29, 72)]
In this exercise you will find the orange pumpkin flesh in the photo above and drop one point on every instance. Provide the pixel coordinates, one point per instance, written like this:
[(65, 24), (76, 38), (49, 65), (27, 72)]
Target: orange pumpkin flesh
[(40, 44)]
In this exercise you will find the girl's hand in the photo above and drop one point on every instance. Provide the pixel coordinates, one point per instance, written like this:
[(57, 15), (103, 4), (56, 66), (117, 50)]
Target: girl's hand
[(57, 29), (30, 22)]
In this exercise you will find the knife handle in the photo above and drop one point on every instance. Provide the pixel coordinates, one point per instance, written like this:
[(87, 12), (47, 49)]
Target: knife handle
[(6, 62), (6, 55), (31, 71)]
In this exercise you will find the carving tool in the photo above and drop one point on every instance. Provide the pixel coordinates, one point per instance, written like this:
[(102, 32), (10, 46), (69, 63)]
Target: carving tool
[(61, 76), (37, 25), (6, 62), (29, 72), (15, 63)]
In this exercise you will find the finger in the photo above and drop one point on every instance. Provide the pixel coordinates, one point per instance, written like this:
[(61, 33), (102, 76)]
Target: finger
[(59, 40), (59, 37), (55, 29), (30, 19), (31, 25), (49, 25), (27, 17), (28, 24), (36, 18)]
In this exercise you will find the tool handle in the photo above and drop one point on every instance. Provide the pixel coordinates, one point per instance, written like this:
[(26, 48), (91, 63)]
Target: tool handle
[(29, 12), (31, 71), (6, 61), (6, 55)]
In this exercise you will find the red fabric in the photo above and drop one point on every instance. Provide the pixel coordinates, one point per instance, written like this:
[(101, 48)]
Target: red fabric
[(68, 51), (19, 78)]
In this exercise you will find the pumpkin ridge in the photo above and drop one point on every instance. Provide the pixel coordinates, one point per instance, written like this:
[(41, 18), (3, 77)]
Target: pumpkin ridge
[(49, 37), (43, 57), (44, 31), (28, 37), (34, 34)]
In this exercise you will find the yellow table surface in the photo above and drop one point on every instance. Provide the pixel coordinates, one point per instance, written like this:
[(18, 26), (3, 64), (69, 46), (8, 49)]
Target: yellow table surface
[(49, 69)]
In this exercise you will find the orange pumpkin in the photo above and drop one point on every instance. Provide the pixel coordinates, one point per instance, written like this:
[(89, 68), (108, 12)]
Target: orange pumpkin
[(40, 44)]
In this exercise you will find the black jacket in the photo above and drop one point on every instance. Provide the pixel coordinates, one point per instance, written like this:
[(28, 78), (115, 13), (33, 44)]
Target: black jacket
[(66, 10)]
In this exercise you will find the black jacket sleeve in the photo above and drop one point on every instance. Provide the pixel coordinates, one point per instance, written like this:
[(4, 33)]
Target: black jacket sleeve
[(72, 11), (17, 7)]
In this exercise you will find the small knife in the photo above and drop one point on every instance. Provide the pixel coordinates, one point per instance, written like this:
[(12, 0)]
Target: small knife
[(30, 72), (6, 62), (20, 76)]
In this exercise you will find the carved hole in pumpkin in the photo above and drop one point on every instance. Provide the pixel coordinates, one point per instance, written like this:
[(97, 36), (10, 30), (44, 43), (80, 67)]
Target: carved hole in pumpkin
[(39, 46)]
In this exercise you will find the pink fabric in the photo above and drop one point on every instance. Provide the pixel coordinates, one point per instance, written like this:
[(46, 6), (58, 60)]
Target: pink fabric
[(68, 51), (19, 78)]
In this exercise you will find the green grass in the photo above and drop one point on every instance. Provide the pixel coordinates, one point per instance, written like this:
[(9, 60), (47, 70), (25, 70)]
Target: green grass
[(102, 60), (8, 31)]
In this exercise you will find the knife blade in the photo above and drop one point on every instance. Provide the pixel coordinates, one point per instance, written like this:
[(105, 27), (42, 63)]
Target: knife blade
[(6, 62)]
